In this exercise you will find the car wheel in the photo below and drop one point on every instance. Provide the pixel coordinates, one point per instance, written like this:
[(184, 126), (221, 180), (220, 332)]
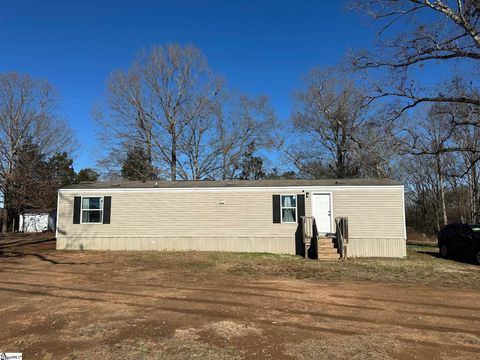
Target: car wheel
[(477, 258), (444, 251)]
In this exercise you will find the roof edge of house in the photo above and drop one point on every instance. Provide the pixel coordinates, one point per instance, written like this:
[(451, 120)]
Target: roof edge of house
[(179, 184)]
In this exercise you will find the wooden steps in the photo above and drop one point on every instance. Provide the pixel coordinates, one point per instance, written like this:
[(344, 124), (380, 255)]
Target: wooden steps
[(327, 249)]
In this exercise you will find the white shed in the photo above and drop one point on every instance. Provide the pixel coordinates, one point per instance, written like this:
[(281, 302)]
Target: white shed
[(39, 220)]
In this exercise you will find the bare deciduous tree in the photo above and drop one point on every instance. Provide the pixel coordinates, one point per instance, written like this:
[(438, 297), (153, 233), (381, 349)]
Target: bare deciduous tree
[(468, 172), (171, 104), (152, 104), (378, 150), (444, 146), (329, 112), (199, 149), (429, 137), (243, 122), (28, 113), (416, 33)]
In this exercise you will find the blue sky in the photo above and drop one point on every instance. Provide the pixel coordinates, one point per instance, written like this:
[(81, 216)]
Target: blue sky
[(261, 47)]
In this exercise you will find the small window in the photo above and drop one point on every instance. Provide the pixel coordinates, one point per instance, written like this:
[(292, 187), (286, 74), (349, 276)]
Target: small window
[(92, 210), (289, 208)]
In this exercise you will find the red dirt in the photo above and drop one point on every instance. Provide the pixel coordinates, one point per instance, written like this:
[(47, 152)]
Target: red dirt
[(112, 305)]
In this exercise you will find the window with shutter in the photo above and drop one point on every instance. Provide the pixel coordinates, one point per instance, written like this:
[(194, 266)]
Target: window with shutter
[(300, 206), (288, 205), (276, 209)]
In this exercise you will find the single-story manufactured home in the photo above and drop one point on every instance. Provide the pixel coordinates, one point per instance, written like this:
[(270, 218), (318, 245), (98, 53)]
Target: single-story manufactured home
[(243, 216)]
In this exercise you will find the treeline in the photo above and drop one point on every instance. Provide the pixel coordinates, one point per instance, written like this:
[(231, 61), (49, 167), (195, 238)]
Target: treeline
[(170, 116), (36, 177)]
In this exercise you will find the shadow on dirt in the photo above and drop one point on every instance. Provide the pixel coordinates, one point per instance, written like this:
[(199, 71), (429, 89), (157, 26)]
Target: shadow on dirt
[(40, 246), (25, 242), (21, 254), (169, 303)]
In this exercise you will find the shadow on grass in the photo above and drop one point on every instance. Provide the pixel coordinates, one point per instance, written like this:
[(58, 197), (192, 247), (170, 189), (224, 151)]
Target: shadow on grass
[(457, 259), (422, 244), (435, 254)]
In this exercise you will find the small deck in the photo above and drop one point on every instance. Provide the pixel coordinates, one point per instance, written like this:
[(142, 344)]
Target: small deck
[(329, 246)]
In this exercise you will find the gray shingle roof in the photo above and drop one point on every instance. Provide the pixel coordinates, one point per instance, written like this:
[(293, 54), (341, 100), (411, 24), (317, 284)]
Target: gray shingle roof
[(231, 183)]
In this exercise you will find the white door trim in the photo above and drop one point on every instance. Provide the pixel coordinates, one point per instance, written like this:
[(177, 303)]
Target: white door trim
[(331, 205)]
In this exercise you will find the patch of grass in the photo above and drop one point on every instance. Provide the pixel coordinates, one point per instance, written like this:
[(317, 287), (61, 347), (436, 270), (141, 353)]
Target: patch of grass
[(429, 244), (200, 265), (422, 266), (254, 255)]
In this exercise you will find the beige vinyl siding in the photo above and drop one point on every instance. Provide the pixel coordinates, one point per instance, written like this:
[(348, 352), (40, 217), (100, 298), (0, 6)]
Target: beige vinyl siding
[(371, 213), (276, 245), (375, 220), (179, 214), (229, 220), (377, 247)]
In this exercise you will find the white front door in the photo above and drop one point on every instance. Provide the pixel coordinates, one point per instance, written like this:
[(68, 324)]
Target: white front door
[(322, 212)]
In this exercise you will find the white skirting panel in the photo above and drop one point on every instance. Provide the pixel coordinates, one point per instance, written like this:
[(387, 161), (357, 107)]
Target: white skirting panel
[(274, 245), (375, 247)]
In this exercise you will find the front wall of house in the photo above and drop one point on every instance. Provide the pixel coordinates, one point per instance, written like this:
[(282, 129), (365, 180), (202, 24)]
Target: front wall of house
[(376, 220), (229, 220), (203, 220)]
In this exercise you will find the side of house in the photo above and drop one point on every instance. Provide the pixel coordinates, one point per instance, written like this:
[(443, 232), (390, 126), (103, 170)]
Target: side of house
[(250, 217)]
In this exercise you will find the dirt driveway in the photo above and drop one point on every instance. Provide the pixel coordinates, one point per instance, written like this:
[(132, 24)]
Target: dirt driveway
[(112, 305)]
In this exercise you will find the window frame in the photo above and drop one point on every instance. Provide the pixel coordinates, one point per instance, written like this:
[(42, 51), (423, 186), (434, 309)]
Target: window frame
[(82, 210), (288, 207)]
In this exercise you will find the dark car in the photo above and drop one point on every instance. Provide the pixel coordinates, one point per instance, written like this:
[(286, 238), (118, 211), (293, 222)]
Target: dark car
[(460, 240)]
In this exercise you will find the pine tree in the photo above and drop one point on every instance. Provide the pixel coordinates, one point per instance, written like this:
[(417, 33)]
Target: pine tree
[(138, 166), (87, 174)]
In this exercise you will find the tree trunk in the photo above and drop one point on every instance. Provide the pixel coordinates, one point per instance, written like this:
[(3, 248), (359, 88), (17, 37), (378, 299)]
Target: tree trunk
[(426, 227), (442, 198), (441, 190), (4, 220), (458, 201), (340, 164), (173, 160), (475, 197), (224, 166)]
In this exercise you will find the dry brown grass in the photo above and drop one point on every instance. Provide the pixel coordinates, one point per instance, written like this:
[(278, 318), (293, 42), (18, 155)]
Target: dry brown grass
[(422, 266)]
